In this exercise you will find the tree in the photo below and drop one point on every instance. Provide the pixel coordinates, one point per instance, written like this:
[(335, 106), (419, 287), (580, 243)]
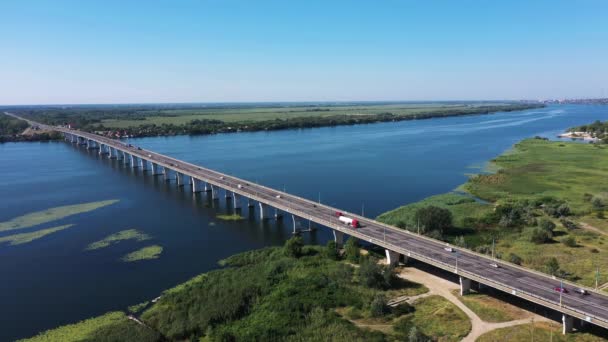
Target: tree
[(552, 266), (378, 306), (352, 250), (331, 250), (433, 218), (547, 225), (514, 258), (460, 241), (370, 274), (415, 336), (597, 203), (540, 235), (293, 247), (569, 241)]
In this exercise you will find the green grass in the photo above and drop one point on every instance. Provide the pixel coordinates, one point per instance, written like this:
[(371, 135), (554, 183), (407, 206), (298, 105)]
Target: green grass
[(97, 329), (146, 253), (184, 116), (542, 331), (436, 316), (231, 217), (52, 214), (19, 239), (129, 234), (535, 168), (460, 205), (490, 309)]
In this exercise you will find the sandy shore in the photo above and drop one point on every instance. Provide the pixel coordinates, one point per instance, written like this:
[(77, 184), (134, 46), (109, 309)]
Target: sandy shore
[(578, 135)]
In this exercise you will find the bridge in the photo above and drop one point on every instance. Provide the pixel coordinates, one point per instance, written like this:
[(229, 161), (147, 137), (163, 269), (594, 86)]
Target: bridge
[(536, 287)]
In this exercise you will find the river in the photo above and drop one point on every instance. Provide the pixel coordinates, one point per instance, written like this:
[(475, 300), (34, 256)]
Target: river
[(364, 168)]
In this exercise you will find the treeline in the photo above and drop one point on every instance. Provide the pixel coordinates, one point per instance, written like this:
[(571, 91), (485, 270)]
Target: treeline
[(597, 129), (91, 119), (11, 129)]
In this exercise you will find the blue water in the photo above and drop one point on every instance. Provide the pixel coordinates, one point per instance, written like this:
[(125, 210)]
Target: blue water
[(371, 168)]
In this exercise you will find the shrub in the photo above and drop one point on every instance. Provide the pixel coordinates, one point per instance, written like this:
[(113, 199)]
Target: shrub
[(539, 235), (370, 274), (569, 241), (587, 197), (352, 250), (600, 214), (434, 218), (568, 224), (402, 309), (401, 224), (547, 225), (293, 247), (597, 203), (514, 258), (378, 306), (331, 250), (552, 266)]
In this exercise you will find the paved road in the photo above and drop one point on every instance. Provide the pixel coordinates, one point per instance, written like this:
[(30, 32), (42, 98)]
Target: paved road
[(519, 281)]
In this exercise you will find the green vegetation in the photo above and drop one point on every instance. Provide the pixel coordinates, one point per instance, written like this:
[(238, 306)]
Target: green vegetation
[(11, 129), (19, 239), (597, 130), (146, 253), (51, 214), (542, 331), (137, 308), (229, 217), (543, 193), (437, 318), (153, 120), (491, 308), (113, 326), (129, 234)]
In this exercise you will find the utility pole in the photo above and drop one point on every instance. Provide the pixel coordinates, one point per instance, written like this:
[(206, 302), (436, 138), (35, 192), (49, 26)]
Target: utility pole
[(597, 278)]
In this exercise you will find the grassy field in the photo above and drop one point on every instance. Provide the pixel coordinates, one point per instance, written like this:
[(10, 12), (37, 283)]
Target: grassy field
[(95, 329), (572, 173), (541, 331), (183, 116), (129, 234), (52, 214), (19, 239), (146, 253), (491, 309), (437, 317)]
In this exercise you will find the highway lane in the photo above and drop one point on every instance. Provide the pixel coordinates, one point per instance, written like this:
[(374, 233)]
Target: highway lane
[(521, 282)]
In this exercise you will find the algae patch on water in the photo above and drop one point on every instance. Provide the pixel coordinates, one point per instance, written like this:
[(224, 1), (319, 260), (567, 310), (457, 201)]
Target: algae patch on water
[(19, 239), (129, 234), (233, 217), (146, 253), (52, 214)]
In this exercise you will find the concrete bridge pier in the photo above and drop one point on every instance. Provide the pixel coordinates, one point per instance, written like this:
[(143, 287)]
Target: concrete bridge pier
[(82, 141), (125, 157), (465, 286), (208, 187), (214, 192), (392, 258), (227, 194), (180, 178), (156, 169), (90, 144), (263, 211), (250, 203), (143, 164), (196, 185), (102, 149), (134, 161), (236, 201), (167, 174), (567, 323), (338, 238), (293, 219), (117, 155)]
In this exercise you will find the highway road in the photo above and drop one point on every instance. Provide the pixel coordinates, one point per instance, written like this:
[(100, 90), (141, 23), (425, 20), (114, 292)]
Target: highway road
[(525, 283)]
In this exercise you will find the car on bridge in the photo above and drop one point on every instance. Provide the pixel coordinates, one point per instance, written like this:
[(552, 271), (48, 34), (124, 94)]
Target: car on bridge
[(560, 289)]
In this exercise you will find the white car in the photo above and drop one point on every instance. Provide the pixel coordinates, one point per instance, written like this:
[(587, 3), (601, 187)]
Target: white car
[(495, 265), (581, 291), (449, 249), (278, 196), (149, 155), (239, 186), (221, 177)]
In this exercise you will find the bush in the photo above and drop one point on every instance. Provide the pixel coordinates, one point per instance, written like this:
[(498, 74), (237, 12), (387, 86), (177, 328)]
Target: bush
[(587, 197), (568, 224), (331, 250), (539, 235), (352, 250), (552, 266), (600, 214), (569, 241), (515, 259), (434, 218), (370, 274), (293, 247), (597, 203), (378, 306), (402, 309), (547, 225)]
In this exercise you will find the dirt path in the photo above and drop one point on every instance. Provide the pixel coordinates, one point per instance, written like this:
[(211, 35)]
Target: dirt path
[(444, 288), (592, 228)]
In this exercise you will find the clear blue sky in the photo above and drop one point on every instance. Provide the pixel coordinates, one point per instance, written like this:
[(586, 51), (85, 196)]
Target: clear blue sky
[(90, 51)]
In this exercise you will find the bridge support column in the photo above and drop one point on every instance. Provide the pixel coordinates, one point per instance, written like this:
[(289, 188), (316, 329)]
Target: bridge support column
[(263, 211), (465, 286), (143, 164), (74, 139), (125, 157), (236, 201), (167, 174), (89, 144), (567, 323), (227, 194), (277, 214), (134, 161), (293, 219), (338, 238), (196, 184), (208, 187), (155, 169), (180, 178), (250, 203), (102, 148), (117, 154), (214, 192), (392, 258)]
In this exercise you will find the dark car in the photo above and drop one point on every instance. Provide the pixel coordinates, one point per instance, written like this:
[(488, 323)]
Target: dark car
[(139, 148)]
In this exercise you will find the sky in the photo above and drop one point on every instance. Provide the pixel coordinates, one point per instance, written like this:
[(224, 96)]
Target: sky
[(67, 52)]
